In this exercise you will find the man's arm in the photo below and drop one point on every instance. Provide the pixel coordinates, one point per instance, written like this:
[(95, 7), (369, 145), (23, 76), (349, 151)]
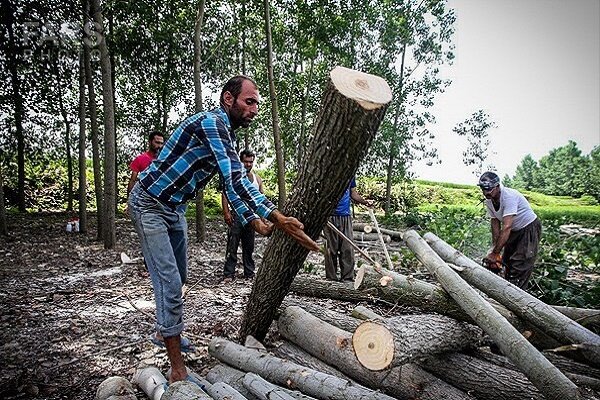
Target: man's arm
[(500, 235), (289, 225), (226, 213), (131, 182), (357, 198)]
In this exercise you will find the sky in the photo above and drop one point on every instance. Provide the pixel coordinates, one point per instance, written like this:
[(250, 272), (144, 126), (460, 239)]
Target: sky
[(534, 67)]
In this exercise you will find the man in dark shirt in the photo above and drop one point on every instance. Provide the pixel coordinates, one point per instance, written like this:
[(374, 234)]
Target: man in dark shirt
[(201, 146)]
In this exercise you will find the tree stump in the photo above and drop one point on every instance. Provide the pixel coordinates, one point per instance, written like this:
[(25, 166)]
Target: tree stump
[(352, 109)]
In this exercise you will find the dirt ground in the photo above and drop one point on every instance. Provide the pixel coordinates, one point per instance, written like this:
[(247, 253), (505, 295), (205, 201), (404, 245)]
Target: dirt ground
[(72, 314)]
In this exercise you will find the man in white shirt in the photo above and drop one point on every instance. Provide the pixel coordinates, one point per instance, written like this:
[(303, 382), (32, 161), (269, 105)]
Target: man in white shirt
[(516, 230)]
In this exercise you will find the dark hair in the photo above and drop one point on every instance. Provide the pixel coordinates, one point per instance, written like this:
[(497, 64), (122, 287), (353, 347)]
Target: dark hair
[(234, 86), (152, 134), (488, 180), (247, 153)]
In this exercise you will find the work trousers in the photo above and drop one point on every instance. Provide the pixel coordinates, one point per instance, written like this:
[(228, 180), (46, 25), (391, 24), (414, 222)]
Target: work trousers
[(338, 251), (520, 252), (162, 230), (235, 233)]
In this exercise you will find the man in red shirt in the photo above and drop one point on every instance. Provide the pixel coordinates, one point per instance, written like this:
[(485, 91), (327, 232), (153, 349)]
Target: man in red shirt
[(155, 143)]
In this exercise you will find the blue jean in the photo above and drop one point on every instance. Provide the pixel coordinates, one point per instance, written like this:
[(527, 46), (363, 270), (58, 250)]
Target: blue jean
[(163, 235)]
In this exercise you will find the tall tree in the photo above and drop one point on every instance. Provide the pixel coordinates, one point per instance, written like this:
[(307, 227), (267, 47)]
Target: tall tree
[(563, 171), (476, 130), (274, 108), (200, 215), (13, 61), (109, 131), (3, 224), (82, 159)]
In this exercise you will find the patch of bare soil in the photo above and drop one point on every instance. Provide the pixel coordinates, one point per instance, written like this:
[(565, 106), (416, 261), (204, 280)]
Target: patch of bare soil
[(72, 314)]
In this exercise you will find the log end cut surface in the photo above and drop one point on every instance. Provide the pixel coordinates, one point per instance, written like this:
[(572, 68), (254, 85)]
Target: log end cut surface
[(370, 91), (374, 345)]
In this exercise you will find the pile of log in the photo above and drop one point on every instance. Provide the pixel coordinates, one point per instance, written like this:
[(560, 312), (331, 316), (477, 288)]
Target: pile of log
[(474, 337)]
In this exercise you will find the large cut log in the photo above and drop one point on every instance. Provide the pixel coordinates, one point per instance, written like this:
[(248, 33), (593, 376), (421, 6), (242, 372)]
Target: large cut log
[(331, 290), (264, 390), (399, 340), (362, 227), (222, 391), (566, 364), (546, 318), (115, 387), (482, 379), (333, 345), (584, 316), (291, 352), (352, 108), (151, 381), (370, 237), (342, 321), (288, 374), (400, 289), (545, 376), (222, 373), (578, 379)]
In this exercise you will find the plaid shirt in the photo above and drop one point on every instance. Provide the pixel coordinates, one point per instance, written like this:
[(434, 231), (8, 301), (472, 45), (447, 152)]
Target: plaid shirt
[(200, 147)]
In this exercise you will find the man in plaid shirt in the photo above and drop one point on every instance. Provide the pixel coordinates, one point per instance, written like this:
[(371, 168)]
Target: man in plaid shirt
[(201, 146)]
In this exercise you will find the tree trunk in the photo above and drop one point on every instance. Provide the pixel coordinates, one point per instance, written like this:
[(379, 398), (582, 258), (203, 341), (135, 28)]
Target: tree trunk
[(65, 116), (399, 340), (352, 109), (339, 320), (150, 380), (264, 390), (334, 346), (482, 379), (545, 376), (230, 376), (81, 156), (399, 289), (275, 110), (392, 155), (3, 223), (200, 215), (369, 237), (362, 227), (109, 134), (302, 138), (526, 306), (115, 387), (93, 109), (287, 374), (14, 62), (331, 290), (291, 352)]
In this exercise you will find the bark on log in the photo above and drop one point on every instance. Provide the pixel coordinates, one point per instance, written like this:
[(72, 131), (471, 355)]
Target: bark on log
[(222, 373), (369, 237), (264, 390), (115, 387), (400, 289), (184, 390), (362, 227), (545, 376), (395, 235), (364, 313), (331, 290), (526, 306), (151, 381), (222, 391), (585, 316), (399, 340), (342, 321), (353, 106), (291, 352), (566, 364), (482, 379), (284, 373), (578, 379), (332, 345)]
